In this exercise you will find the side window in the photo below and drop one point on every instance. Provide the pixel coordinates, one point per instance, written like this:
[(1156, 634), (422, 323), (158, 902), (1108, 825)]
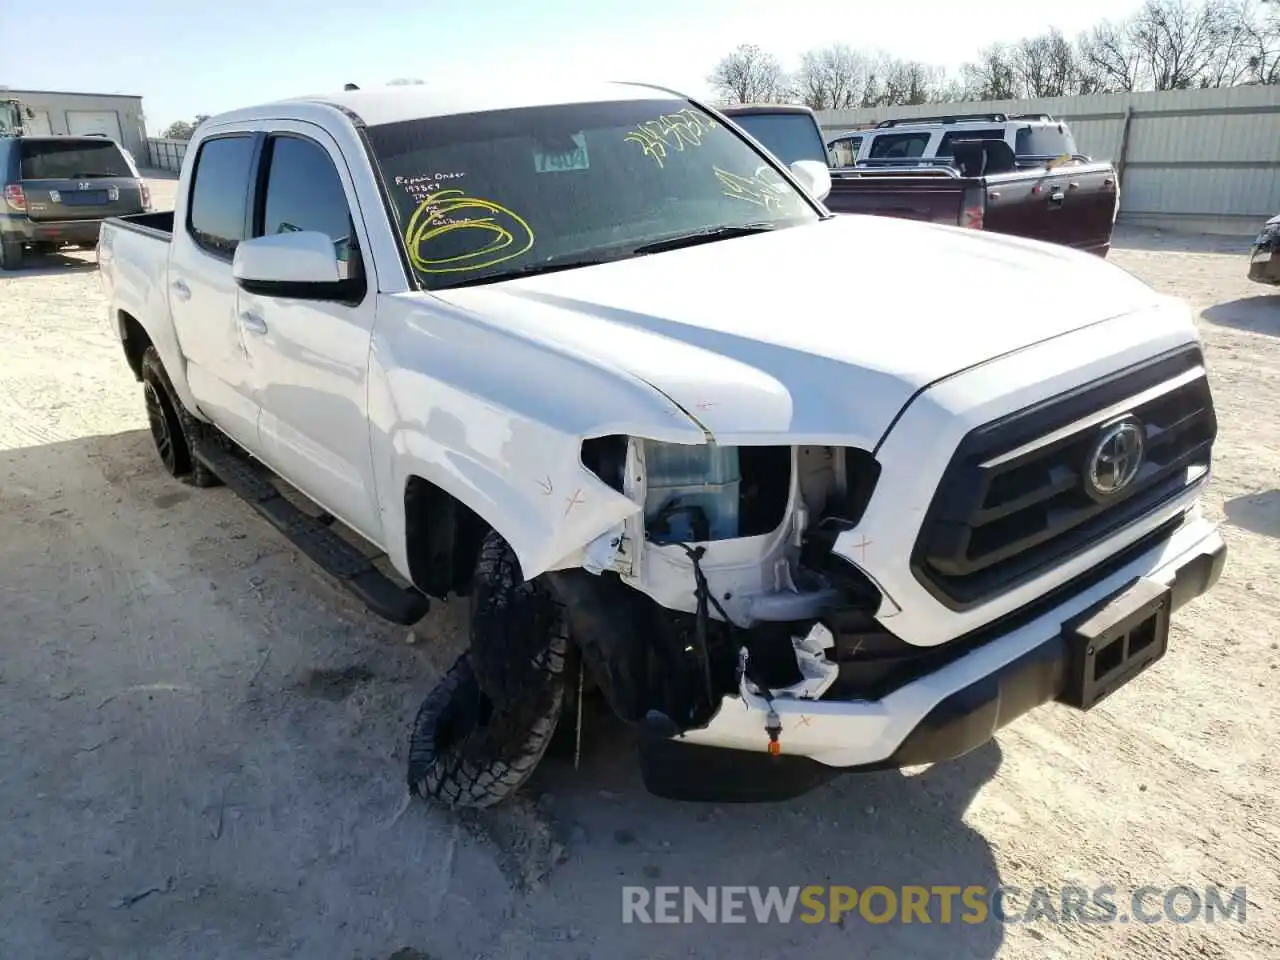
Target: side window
[(305, 193), (894, 146), (945, 149), (844, 152), (219, 192)]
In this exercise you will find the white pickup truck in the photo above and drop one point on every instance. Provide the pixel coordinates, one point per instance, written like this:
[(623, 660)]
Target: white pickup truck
[(573, 354)]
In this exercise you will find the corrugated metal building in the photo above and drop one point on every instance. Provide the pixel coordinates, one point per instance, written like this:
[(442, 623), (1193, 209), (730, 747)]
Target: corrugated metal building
[(1193, 160), (56, 112)]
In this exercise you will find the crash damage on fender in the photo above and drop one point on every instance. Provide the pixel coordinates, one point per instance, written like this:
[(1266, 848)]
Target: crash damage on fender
[(723, 584)]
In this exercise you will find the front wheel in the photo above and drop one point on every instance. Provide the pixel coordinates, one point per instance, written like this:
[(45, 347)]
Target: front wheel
[(490, 720), (171, 427)]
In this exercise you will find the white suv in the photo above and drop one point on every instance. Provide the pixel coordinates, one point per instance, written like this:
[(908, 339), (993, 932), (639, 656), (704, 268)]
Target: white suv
[(930, 138)]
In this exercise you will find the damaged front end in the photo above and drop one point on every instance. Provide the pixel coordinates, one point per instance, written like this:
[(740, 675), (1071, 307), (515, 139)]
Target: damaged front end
[(724, 584)]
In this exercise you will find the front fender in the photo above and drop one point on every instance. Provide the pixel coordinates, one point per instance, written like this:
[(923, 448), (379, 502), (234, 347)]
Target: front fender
[(497, 422)]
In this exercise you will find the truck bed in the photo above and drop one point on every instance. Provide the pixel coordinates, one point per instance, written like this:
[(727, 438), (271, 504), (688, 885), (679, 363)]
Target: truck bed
[(158, 225), (1073, 205)]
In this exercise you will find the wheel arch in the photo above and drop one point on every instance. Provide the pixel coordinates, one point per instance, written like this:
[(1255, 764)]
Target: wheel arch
[(134, 339), (442, 538)]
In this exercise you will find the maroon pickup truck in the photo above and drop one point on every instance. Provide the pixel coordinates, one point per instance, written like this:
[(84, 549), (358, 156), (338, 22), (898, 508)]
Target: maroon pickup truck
[(983, 186)]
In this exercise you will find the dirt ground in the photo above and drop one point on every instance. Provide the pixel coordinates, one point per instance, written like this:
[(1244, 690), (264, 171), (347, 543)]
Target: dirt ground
[(203, 740)]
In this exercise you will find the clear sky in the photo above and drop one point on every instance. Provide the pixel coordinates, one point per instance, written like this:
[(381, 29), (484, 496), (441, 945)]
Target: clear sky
[(187, 57)]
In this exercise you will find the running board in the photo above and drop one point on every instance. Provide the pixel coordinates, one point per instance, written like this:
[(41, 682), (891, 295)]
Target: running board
[(313, 536)]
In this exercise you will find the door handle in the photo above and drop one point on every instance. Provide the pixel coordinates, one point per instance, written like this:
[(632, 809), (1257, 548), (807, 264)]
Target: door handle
[(180, 290), (252, 322)]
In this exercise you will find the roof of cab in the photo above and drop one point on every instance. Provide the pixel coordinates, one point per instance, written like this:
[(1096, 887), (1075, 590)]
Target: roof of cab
[(393, 103)]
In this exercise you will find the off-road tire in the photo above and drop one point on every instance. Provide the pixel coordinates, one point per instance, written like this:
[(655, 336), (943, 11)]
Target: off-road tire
[(484, 728), (171, 426), (463, 752), (10, 255), (512, 623)]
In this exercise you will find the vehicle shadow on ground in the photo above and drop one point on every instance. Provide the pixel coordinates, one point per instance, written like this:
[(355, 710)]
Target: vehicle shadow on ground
[(50, 265), (1258, 512), (1164, 241), (1259, 314), (886, 829)]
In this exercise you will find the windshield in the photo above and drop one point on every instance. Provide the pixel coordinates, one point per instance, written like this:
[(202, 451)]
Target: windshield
[(481, 196), (788, 136), (72, 159)]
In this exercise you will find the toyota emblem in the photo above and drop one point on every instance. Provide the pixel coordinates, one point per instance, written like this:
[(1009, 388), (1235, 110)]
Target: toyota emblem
[(1114, 459)]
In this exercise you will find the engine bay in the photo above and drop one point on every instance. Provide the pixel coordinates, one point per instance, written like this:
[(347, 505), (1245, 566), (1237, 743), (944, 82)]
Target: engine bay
[(725, 581)]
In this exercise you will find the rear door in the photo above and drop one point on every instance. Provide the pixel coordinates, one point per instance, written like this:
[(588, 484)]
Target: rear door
[(77, 178), (202, 294)]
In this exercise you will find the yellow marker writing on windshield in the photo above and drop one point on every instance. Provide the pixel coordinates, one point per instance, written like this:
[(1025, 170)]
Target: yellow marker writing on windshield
[(751, 189), (500, 234), (671, 131)]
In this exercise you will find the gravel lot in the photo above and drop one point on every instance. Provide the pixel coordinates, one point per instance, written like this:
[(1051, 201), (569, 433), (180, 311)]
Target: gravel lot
[(203, 739)]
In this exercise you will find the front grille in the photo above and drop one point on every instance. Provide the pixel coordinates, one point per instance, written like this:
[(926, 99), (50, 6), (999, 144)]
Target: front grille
[(1017, 497)]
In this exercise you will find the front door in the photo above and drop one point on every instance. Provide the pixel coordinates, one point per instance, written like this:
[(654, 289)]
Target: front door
[(310, 358), (202, 294)]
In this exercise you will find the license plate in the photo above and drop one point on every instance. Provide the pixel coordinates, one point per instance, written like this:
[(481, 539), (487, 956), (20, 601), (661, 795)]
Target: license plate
[(84, 198), (1260, 256), (1110, 644)]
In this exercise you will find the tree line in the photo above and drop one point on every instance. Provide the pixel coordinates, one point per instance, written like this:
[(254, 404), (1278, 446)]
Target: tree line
[(1165, 45)]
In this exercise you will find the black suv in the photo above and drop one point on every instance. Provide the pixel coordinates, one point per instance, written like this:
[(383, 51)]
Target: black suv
[(58, 190)]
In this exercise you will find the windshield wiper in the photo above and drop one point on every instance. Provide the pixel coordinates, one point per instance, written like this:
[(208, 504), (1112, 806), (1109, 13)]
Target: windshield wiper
[(707, 235), (533, 269)]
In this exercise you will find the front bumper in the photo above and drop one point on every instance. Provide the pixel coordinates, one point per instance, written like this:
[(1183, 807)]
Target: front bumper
[(1264, 264), (939, 716)]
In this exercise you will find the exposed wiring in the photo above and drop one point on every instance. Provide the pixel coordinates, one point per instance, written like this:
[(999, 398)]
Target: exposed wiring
[(705, 599)]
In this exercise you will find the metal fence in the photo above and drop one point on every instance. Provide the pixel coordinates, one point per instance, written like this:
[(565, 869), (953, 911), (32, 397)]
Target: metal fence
[(1194, 160), (166, 154)]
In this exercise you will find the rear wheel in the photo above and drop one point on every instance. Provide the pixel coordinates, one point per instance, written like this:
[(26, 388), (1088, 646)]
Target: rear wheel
[(10, 255), (171, 427)]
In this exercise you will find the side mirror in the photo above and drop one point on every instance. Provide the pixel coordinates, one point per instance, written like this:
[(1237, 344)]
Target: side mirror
[(815, 177), (300, 264)]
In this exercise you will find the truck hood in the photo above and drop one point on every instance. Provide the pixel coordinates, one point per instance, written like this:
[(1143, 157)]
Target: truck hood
[(812, 333)]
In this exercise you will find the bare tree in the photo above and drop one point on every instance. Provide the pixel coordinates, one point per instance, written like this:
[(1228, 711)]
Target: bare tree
[(749, 75), (993, 75), (1259, 51), (833, 78), (910, 82), (1108, 59), (1045, 66), (1185, 45)]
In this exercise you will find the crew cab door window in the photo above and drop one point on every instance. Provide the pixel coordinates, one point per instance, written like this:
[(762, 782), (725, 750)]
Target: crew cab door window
[(304, 192), (219, 194)]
